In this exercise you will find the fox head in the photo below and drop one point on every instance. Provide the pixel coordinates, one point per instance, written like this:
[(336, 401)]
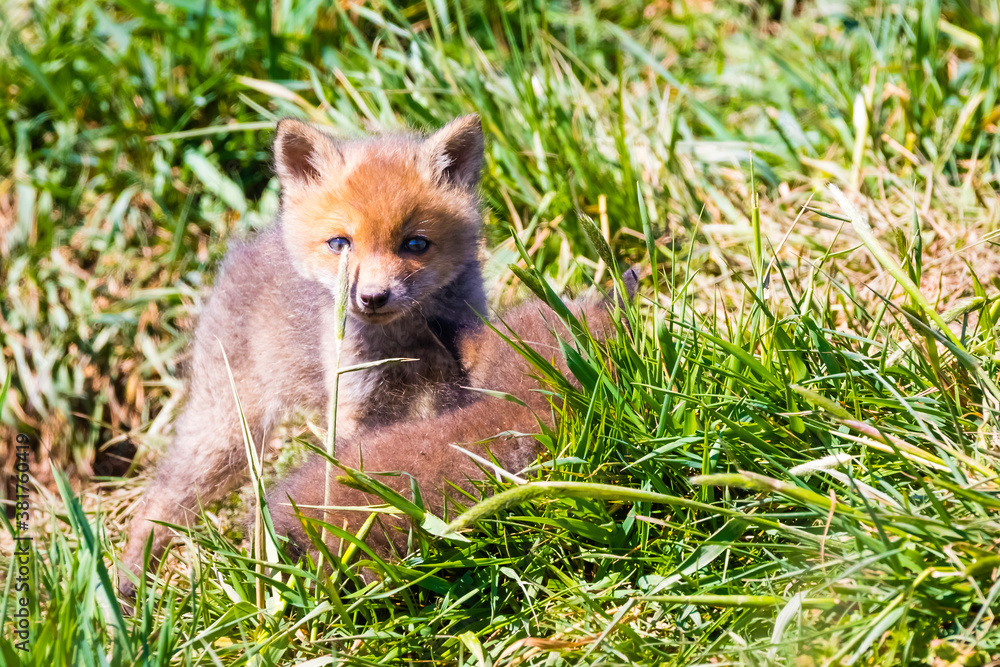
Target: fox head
[(404, 207)]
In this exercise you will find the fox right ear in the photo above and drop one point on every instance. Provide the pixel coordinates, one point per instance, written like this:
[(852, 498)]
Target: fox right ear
[(455, 152), (302, 153)]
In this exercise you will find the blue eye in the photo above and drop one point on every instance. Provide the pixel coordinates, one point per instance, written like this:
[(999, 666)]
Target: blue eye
[(338, 244), (416, 245)]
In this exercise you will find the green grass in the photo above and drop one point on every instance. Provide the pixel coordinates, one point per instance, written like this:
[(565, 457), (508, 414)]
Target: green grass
[(792, 460)]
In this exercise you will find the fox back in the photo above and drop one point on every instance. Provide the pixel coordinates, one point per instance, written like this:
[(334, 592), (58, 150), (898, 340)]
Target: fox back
[(489, 426)]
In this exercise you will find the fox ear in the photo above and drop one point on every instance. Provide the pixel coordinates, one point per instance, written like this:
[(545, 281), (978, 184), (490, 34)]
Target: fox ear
[(302, 153), (455, 152)]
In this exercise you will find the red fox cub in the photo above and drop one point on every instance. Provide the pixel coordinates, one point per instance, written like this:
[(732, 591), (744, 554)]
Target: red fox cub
[(406, 208), (422, 450)]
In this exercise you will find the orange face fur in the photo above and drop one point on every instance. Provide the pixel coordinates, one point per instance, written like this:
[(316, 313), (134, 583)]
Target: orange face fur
[(404, 208)]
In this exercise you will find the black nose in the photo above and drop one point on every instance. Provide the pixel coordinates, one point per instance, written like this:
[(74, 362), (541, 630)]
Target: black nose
[(374, 300)]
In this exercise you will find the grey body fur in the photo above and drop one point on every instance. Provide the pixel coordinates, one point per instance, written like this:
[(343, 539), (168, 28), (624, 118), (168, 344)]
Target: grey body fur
[(485, 425)]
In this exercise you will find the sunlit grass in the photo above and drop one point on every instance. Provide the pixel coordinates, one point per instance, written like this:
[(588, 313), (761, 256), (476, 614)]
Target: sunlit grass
[(790, 457)]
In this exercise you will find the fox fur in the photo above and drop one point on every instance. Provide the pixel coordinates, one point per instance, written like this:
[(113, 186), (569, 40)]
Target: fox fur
[(272, 309), (421, 450)]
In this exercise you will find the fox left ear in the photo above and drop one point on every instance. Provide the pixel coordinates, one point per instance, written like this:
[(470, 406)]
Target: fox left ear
[(303, 154), (455, 152)]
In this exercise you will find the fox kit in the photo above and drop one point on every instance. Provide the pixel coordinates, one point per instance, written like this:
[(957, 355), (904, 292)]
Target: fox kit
[(405, 209), (422, 449)]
